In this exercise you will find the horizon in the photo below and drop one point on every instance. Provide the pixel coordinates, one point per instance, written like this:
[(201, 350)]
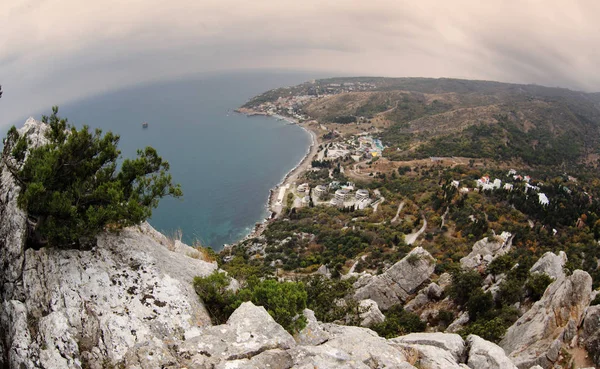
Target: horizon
[(60, 51)]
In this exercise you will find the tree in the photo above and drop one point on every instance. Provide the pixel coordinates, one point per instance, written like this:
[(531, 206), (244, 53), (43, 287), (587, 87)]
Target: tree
[(71, 189)]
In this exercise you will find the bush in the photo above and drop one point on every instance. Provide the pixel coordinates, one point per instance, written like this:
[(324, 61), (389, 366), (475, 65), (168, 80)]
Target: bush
[(284, 301), (463, 285), (218, 300), (71, 190), (398, 322), (479, 304), (324, 296), (536, 285)]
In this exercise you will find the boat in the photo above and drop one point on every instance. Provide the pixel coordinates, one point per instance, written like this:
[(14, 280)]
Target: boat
[(145, 125)]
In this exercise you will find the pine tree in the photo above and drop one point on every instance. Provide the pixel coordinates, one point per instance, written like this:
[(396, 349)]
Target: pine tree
[(71, 189)]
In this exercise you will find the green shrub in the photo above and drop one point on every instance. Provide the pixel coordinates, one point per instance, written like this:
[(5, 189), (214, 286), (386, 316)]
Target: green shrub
[(284, 301), (71, 188), (398, 322), (463, 285), (536, 285)]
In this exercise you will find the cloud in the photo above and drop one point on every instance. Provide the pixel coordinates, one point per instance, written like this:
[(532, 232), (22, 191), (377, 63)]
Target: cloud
[(55, 51)]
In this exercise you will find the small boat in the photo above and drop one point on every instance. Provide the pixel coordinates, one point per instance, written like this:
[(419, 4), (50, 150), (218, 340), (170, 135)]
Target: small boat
[(145, 125)]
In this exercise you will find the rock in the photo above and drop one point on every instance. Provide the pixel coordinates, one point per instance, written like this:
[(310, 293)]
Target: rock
[(434, 291), (432, 357), (458, 323), (550, 264), (275, 359), (418, 302), (591, 333), (364, 345), (399, 281), (369, 313), (444, 281), (313, 334), (486, 250), (486, 355), (249, 331), (452, 343), (532, 339)]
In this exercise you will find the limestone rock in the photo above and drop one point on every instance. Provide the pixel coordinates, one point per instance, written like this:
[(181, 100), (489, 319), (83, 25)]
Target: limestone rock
[(458, 323), (364, 345), (313, 334), (591, 333), (486, 250), (449, 342), (532, 338), (401, 279), (369, 313), (550, 264), (486, 355), (249, 331)]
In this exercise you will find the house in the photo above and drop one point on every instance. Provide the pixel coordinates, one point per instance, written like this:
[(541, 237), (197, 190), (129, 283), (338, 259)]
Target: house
[(512, 172), (483, 181), (543, 199), (463, 190), (527, 179), (455, 184), (497, 183), (508, 186)]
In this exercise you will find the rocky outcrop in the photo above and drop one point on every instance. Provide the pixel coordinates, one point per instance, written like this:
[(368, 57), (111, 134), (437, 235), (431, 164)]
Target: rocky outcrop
[(484, 354), (486, 250), (550, 264), (398, 282), (131, 293), (590, 334), (369, 313), (537, 336)]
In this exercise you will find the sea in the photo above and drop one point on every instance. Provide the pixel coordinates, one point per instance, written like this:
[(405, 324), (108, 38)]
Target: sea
[(225, 162)]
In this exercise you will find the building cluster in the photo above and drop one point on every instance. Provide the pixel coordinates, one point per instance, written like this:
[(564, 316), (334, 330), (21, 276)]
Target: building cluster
[(486, 184), (342, 195)]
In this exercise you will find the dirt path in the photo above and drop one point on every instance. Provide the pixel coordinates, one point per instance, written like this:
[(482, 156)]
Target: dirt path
[(395, 219), (412, 237)]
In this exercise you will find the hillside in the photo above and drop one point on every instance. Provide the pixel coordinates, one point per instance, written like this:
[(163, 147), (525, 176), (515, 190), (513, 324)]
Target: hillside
[(420, 117)]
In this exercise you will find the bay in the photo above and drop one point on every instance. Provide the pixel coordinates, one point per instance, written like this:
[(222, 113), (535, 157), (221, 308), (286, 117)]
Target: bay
[(225, 162)]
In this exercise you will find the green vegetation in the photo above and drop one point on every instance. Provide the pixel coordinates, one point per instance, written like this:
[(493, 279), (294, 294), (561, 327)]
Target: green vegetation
[(399, 322), (71, 188), (283, 300)]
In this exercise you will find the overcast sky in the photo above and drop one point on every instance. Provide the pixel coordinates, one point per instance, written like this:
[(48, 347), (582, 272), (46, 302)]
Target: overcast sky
[(56, 51)]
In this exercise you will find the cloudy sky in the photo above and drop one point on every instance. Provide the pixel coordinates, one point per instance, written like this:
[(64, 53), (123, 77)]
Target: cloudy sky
[(55, 51)]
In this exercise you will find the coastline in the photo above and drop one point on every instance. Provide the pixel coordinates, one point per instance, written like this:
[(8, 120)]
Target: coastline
[(292, 176)]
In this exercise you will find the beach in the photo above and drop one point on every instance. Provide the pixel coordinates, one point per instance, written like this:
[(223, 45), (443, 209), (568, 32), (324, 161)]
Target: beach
[(292, 176)]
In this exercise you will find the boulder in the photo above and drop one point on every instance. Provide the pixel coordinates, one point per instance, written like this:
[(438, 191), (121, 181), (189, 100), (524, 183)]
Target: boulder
[(369, 313), (395, 285), (249, 331), (535, 338), (312, 334), (590, 334), (458, 323), (486, 250), (550, 264), (486, 355), (451, 343)]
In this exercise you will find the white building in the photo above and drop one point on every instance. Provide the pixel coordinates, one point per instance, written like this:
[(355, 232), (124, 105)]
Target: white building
[(455, 184), (303, 188), (508, 186), (342, 195), (320, 191), (362, 194), (497, 183), (543, 199)]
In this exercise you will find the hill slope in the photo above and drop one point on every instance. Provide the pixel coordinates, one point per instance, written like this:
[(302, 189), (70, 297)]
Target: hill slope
[(423, 117)]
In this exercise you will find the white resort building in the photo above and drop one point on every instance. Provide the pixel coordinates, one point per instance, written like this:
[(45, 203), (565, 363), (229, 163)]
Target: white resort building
[(320, 191), (362, 194), (342, 195)]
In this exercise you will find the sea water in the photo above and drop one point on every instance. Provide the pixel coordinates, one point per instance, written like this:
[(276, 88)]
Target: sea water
[(225, 162)]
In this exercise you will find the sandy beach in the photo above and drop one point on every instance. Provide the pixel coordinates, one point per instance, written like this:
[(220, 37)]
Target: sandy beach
[(292, 176)]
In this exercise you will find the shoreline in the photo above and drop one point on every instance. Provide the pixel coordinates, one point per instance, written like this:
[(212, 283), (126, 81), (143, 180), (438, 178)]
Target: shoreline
[(290, 177)]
